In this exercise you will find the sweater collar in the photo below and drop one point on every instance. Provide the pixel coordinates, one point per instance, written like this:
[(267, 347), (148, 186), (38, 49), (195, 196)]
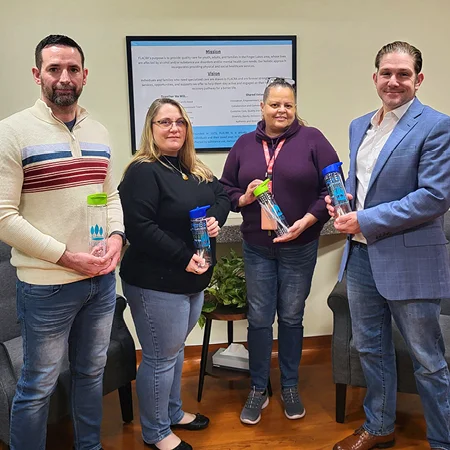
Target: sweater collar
[(262, 136), (43, 112)]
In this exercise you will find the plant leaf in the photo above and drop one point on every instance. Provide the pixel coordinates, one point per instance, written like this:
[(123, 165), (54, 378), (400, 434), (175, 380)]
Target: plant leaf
[(201, 321), (227, 286), (209, 307)]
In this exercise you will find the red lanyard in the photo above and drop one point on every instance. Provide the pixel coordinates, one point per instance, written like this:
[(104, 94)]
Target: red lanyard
[(270, 161)]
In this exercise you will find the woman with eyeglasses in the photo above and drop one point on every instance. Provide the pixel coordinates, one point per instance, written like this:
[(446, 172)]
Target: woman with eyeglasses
[(278, 270), (162, 276)]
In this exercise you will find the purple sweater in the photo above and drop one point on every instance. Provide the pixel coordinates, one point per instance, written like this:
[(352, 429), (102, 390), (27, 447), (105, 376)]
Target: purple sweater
[(297, 179)]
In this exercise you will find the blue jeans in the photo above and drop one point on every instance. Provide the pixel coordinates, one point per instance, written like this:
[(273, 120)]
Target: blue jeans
[(278, 281), (163, 322), (418, 322), (79, 314)]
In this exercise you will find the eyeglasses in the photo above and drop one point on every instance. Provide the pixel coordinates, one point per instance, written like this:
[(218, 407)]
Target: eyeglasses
[(167, 124), (280, 80)]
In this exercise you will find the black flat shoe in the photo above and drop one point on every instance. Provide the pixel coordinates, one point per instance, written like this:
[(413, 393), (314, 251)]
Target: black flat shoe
[(181, 446), (199, 423)]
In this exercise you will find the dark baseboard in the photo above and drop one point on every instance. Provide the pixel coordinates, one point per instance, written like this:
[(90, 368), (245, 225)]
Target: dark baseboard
[(316, 349)]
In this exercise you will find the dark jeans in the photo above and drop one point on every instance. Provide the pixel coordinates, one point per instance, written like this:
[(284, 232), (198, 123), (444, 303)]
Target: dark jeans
[(418, 322), (278, 281), (81, 315)]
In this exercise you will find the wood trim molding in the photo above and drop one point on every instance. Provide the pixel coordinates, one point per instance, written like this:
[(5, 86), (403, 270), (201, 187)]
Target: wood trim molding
[(315, 348)]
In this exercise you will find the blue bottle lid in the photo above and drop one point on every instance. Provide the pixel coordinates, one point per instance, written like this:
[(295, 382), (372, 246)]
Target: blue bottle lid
[(336, 167), (198, 212)]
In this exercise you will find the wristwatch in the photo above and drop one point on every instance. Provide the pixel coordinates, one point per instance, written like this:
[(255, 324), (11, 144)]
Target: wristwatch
[(122, 235)]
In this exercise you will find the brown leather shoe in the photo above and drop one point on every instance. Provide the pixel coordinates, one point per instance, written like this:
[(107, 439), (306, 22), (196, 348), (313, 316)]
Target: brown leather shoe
[(362, 440)]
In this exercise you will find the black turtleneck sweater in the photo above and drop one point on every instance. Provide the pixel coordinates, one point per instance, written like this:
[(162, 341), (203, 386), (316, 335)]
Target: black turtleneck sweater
[(156, 203)]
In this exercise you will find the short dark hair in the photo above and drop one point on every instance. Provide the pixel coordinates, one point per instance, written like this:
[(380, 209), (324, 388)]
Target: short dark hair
[(55, 39), (401, 47)]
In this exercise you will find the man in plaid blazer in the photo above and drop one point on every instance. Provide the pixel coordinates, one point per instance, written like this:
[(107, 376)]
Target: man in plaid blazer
[(396, 259)]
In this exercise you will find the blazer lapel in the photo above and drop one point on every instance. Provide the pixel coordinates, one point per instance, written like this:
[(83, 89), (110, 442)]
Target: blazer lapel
[(404, 126), (358, 134)]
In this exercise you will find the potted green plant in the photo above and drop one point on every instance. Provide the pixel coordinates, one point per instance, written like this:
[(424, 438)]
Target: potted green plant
[(227, 286)]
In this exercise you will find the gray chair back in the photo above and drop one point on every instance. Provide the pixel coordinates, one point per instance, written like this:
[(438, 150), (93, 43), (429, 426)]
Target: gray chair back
[(9, 326)]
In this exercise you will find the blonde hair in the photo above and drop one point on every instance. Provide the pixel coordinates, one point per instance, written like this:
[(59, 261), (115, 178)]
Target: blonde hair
[(148, 151)]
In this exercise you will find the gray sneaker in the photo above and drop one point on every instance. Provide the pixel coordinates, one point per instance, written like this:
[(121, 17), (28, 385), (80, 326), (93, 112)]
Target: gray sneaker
[(293, 406), (256, 401)]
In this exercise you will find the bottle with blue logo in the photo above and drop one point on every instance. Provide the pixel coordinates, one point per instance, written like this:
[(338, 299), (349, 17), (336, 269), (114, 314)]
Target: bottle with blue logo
[(270, 207), (336, 188), (97, 217), (200, 233)]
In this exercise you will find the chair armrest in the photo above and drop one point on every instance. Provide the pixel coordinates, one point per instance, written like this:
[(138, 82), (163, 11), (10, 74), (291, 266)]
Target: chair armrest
[(445, 306), (119, 327), (342, 332), (121, 334), (338, 300), (8, 383)]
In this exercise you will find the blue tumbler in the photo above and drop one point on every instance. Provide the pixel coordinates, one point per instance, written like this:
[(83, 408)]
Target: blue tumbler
[(336, 188), (200, 233)]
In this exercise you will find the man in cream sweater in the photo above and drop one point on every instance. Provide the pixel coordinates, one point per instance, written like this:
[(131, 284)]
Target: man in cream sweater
[(52, 156)]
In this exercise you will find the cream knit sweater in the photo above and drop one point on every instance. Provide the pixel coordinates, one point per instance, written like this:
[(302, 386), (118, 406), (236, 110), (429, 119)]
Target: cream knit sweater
[(46, 173)]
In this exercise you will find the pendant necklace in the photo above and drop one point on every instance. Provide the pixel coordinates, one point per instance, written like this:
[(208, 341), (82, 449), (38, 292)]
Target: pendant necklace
[(183, 175)]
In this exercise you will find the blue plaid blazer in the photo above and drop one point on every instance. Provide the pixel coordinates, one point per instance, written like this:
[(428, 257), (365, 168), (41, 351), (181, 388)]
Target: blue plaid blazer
[(408, 193)]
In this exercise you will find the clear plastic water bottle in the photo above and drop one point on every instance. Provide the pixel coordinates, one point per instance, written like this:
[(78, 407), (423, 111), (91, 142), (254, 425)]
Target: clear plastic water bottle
[(270, 206), (97, 217), (200, 233), (336, 188)]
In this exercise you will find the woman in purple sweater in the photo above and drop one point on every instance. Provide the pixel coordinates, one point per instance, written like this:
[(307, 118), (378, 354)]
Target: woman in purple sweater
[(278, 270)]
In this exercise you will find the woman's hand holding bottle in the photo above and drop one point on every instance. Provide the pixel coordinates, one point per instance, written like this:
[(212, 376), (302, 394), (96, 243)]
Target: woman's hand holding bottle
[(248, 197), (212, 226), (197, 265)]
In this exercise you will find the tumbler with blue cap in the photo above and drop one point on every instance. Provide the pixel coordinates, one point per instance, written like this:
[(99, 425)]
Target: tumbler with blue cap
[(336, 188), (200, 233)]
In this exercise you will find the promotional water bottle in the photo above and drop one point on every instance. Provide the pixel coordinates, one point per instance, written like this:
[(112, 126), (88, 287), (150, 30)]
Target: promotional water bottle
[(336, 188), (200, 233), (270, 206), (97, 217)]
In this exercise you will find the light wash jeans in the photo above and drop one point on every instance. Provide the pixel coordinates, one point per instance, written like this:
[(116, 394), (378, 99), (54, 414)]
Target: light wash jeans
[(79, 315), (163, 321), (278, 281), (418, 322)]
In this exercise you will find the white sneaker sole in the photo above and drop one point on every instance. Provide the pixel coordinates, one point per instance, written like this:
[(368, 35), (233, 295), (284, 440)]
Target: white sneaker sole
[(295, 416), (254, 422)]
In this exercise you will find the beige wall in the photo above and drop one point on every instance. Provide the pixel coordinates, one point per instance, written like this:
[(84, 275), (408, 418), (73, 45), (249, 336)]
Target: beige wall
[(337, 42)]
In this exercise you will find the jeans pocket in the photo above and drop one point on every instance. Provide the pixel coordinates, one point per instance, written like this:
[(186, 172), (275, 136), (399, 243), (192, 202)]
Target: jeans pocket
[(41, 291)]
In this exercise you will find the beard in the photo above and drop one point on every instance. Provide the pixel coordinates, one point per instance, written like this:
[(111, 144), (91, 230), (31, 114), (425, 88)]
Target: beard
[(66, 99)]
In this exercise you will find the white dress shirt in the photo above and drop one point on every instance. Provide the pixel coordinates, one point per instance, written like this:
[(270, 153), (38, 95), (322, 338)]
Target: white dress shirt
[(376, 136)]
